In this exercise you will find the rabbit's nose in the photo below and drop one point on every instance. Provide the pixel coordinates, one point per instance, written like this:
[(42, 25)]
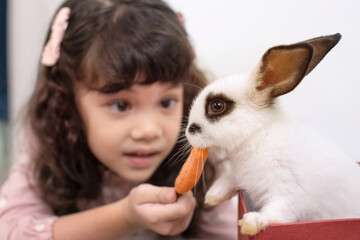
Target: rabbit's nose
[(194, 128)]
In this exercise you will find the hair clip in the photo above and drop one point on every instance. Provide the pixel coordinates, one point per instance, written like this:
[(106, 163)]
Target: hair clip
[(51, 52), (181, 18)]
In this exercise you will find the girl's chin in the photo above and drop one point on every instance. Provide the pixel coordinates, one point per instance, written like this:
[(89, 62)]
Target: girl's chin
[(137, 174)]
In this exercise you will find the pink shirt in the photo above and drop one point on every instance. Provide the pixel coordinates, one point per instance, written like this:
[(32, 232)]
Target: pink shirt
[(25, 216)]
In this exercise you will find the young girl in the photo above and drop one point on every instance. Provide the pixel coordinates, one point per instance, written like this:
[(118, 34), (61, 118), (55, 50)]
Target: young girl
[(102, 144)]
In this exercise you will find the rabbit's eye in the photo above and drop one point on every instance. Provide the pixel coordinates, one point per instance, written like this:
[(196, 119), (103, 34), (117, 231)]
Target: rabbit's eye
[(217, 106)]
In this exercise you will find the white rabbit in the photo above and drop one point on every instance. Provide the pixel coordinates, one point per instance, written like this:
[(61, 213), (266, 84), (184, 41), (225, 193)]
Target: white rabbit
[(288, 172)]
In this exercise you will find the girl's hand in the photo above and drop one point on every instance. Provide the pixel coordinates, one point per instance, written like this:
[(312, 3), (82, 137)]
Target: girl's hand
[(158, 209)]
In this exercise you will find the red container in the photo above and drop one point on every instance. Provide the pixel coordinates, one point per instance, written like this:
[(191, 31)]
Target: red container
[(340, 229)]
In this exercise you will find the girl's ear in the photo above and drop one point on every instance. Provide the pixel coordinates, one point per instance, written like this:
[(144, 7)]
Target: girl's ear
[(283, 67)]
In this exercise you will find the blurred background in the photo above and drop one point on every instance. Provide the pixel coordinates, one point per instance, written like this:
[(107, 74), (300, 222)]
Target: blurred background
[(228, 36), (5, 146)]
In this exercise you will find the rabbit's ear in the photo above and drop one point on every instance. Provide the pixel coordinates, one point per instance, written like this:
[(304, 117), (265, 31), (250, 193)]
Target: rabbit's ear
[(283, 67)]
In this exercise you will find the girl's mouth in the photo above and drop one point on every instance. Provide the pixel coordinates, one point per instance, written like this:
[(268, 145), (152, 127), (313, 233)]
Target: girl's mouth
[(141, 159)]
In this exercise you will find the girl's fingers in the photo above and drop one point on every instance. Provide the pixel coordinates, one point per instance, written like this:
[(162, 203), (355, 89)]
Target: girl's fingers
[(159, 208), (174, 227), (182, 208), (147, 193)]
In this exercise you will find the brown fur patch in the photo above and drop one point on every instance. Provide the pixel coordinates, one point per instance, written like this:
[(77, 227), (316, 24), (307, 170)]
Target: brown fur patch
[(284, 67), (227, 104)]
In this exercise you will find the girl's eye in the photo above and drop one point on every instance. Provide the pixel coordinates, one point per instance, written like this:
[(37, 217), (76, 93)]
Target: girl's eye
[(167, 103), (120, 106)]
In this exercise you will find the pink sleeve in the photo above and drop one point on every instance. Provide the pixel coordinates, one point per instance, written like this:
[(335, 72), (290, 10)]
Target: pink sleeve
[(219, 222), (23, 214)]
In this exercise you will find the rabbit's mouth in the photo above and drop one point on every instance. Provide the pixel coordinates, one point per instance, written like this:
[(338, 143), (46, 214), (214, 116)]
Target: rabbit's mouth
[(199, 141)]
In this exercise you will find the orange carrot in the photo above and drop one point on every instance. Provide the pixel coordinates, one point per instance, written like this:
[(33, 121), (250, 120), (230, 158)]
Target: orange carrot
[(191, 170)]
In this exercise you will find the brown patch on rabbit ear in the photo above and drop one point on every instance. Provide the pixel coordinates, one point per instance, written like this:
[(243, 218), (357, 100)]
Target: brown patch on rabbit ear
[(283, 67), (321, 45)]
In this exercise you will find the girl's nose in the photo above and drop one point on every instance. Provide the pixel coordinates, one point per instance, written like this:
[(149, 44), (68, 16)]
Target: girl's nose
[(146, 128)]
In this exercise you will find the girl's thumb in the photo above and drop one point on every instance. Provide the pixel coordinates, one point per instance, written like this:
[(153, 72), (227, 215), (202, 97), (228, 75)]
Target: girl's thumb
[(154, 194), (167, 195)]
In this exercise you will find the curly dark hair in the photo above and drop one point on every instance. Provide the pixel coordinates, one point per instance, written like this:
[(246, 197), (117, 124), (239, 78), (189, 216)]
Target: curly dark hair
[(111, 40)]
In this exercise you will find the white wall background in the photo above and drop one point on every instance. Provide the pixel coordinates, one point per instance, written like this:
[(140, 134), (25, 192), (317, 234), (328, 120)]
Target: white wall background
[(230, 36), (27, 25)]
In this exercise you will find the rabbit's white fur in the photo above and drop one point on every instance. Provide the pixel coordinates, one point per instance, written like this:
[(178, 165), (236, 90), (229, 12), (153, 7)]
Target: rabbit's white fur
[(289, 172)]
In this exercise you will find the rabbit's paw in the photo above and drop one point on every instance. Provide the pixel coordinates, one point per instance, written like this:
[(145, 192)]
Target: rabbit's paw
[(253, 222), (220, 191), (214, 200)]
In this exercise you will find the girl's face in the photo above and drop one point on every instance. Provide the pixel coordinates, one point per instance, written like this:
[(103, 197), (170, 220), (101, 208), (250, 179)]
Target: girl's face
[(132, 131)]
